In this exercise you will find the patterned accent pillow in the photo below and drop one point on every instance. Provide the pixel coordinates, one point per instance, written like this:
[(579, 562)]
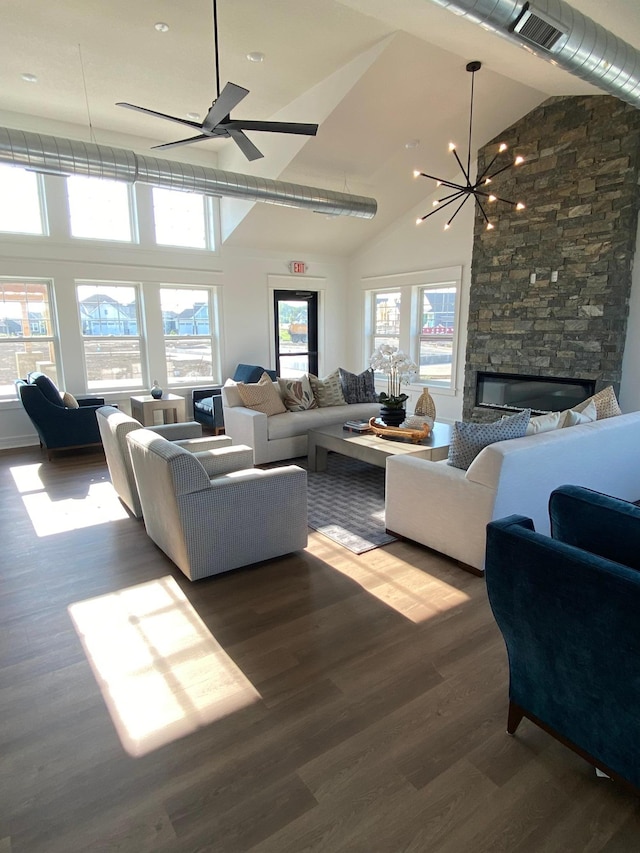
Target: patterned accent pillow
[(69, 401), (467, 440), (297, 394), (606, 402), (262, 396), (358, 388), (327, 391)]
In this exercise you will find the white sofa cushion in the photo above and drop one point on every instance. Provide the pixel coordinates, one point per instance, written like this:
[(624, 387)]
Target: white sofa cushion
[(297, 423)]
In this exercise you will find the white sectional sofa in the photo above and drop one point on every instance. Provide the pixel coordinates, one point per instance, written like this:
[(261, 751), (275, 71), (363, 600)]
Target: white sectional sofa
[(447, 509), (283, 436)]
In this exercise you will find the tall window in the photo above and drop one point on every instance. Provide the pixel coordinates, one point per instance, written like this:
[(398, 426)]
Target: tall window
[(20, 208), (436, 335), (386, 318), (110, 325), (188, 328), (99, 209), (27, 335), (182, 219)]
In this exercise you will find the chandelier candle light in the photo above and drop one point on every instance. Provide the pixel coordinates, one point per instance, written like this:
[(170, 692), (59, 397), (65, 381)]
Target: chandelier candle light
[(478, 189)]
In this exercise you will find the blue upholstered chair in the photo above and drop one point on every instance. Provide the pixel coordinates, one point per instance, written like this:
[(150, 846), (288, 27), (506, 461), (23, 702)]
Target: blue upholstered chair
[(207, 402), (568, 610), (59, 426)]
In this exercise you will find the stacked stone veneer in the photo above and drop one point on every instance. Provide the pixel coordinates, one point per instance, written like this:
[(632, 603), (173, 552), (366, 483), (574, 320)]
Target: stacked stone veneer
[(580, 186)]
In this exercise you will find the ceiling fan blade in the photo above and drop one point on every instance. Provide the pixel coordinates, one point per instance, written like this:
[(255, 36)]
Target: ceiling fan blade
[(229, 98), (186, 121), (175, 144), (275, 126), (245, 144)]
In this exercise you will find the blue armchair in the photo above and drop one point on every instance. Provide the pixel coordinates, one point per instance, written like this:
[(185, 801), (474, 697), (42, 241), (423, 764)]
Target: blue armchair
[(567, 607), (59, 427), (207, 402)]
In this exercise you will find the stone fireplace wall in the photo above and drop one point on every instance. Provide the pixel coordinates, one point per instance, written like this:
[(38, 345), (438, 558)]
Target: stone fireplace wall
[(579, 183)]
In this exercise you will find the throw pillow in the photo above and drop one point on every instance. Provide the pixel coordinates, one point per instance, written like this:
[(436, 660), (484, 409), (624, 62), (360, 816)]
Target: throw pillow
[(545, 423), (606, 402), (261, 396), (297, 394), (327, 391), (358, 388), (467, 440), (69, 401), (573, 417)]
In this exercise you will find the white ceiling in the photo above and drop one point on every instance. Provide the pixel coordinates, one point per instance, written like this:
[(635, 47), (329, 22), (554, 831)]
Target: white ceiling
[(374, 74)]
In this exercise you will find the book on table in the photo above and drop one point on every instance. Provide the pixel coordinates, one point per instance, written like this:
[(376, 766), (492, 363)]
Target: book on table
[(357, 426)]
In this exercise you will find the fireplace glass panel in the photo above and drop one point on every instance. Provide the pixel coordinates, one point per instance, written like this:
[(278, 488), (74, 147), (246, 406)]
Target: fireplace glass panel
[(541, 394)]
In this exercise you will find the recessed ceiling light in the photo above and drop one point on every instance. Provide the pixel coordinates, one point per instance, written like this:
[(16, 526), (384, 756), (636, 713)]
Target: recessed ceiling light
[(161, 27), (29, 78), (255, 56), (193, 116), (412, 143)]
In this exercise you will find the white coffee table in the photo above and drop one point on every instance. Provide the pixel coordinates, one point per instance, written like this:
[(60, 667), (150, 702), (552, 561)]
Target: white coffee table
[(370, 448)]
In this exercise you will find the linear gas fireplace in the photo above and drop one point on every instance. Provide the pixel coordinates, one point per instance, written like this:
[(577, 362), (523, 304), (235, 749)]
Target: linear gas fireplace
[(513, 392)]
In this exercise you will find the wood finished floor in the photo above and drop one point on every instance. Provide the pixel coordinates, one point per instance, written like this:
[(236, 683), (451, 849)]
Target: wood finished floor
[(379, 727)]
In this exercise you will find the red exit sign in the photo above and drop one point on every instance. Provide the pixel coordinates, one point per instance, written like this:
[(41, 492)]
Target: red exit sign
[(298, 267)]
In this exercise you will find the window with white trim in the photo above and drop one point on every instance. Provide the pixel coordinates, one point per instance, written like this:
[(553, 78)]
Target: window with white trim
[(20, 201), (111, 335), (28, 338), (100, 209), (386, 318), (436, 334), (190, 339), (182, 219)]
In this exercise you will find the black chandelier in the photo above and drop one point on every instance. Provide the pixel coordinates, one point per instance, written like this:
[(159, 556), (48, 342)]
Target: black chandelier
[(478, 189)]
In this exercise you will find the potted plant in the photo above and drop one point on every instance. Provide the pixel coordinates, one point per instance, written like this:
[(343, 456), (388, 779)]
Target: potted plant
[(400, 369)]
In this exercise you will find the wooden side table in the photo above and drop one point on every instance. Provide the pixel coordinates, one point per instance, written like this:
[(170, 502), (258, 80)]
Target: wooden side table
[(172, 406)]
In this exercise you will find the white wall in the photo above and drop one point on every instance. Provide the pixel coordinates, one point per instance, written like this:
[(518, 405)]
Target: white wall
[(407, 248), (630, 385)]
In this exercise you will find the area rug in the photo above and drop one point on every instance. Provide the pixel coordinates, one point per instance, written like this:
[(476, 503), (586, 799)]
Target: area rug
[(346, 503)]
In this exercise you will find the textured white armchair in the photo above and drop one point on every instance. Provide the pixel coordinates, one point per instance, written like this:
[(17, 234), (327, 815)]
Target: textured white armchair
[(114, 427), (209, 522)]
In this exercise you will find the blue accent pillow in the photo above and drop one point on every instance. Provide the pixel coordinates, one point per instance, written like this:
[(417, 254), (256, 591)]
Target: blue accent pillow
[(358, 388), (467, 440)]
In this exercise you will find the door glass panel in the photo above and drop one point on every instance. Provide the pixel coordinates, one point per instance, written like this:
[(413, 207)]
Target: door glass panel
[(296, 332)]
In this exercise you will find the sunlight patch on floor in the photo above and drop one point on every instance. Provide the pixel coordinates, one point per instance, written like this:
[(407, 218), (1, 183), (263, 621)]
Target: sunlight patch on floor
[(98, 505), (161, 672), (414, 593)]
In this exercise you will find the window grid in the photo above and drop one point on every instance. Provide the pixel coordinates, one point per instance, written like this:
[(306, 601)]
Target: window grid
[(28, 336), (110, 326), (187, 324), (436, 334)]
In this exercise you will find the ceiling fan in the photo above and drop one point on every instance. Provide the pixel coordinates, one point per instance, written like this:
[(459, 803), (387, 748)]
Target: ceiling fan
[(218, 122)]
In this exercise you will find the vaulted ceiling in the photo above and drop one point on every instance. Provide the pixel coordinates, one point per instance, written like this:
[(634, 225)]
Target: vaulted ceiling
[(375, 75)]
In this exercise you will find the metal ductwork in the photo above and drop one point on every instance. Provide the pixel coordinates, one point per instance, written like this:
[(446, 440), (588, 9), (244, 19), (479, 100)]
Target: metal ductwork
[(57, 156), (562, 35)]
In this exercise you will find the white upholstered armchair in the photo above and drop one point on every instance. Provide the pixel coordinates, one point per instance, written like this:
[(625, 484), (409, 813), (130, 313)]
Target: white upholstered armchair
[(114, 427), (208, 518)]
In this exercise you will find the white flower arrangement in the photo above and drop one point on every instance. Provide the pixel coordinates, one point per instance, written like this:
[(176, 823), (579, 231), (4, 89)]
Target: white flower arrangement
[(400, 370)]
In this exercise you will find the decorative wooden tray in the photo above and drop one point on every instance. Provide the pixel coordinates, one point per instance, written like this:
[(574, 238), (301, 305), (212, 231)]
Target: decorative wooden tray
[(414, 435)]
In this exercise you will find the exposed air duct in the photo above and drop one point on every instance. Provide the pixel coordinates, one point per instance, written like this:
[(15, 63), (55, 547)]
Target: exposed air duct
[(57, 156), (559, 33)]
